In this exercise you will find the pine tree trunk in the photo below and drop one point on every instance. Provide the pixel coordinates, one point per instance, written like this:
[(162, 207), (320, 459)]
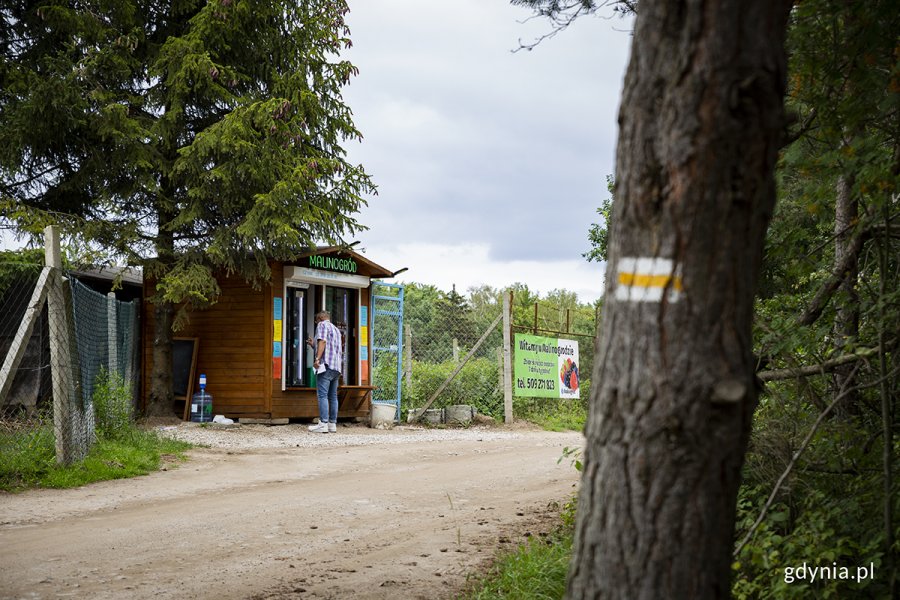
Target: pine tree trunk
[(161, 396), (701, 123), (160, 401)]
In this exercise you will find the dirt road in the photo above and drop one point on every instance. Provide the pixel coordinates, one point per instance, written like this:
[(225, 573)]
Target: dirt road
[(380, 520)]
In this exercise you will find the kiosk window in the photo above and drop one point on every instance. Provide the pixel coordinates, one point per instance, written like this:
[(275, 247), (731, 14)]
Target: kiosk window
[(341, 303), (299, 357), (302, 302)]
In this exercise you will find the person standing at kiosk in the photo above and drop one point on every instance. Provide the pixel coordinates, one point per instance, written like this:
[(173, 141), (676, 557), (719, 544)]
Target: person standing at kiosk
[(327, 363)]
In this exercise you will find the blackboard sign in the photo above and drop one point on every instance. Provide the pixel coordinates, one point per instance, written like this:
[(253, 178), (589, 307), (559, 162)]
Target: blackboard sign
[(184, 366)]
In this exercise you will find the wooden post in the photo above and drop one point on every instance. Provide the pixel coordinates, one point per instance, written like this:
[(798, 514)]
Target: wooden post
[(535, 318), (507, 358), (60, 350)]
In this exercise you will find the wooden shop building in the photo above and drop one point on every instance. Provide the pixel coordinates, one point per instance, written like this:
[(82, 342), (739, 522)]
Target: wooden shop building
[(251, 344)]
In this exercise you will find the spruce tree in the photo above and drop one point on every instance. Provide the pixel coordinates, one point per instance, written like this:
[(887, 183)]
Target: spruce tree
[(184, 136)]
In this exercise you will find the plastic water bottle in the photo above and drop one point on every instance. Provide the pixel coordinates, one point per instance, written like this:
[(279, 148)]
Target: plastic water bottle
[(201, 404)]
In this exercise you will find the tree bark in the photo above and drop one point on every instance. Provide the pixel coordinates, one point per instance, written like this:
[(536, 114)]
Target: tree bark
[(846, 318), (161, 397), (701, 122)]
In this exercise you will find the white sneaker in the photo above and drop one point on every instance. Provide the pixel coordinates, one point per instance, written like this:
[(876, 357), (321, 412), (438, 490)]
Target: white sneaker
[(332, 427), (320, 428)]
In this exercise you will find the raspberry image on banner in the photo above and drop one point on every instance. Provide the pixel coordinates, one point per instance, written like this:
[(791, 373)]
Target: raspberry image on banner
[(568, 374)]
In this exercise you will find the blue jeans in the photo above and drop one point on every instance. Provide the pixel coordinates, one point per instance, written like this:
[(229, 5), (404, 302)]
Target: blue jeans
[(326, 388)]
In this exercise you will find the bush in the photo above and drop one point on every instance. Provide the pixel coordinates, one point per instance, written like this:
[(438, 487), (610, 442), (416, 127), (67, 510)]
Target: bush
[(113, 411), (477, 384), (820, 532)]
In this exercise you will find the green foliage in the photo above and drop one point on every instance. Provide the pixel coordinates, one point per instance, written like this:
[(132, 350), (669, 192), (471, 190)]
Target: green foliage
[(208, 136), (121, 449), (192, 139), (433, 319), (822, 531), (535, 570), (16, 267), (550, 413), (138, 453), (829, 511), (113, 411), (598, 234), (30, 257), (843, 88), (476, 385), (28, 458), (574, 455), (25, 453)]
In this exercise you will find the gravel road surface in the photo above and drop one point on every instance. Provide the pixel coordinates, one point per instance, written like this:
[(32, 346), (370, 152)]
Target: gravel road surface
[(278, 512)]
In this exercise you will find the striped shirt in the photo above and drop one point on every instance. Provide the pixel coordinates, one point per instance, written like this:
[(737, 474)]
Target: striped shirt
[(331, 358)]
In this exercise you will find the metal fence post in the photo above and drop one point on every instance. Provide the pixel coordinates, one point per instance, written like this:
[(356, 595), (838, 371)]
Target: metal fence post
[(407, 357), (507, 359), (112, 328)]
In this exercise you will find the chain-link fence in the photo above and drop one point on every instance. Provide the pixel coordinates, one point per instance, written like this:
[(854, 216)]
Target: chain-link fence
[(387, 324), (58, 338), (443, 363), (561, 317), (440, 332)]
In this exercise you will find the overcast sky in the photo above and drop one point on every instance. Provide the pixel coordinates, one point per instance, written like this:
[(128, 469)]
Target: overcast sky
[(490, 164)]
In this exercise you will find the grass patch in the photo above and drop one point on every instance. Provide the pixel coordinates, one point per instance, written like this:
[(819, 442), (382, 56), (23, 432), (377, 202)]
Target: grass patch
[(536, 570), (28, 448), (554, 415), (28, 459), (25, 451)]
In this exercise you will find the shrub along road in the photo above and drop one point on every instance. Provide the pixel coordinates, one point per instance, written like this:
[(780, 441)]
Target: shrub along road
[(379, 520)]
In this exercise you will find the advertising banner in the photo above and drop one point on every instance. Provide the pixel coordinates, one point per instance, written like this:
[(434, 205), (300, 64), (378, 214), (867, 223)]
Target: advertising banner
[(545, 367)]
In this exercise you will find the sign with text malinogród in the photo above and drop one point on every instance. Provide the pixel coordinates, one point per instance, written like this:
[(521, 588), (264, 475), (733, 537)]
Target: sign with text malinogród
[(545, 367)]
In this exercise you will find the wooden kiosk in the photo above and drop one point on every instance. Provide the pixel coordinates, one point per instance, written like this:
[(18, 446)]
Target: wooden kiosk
[(251, 343)]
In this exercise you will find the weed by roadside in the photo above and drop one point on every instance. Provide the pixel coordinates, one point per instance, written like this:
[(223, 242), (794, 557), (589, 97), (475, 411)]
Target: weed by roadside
[(537, 569), (534, 570)]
